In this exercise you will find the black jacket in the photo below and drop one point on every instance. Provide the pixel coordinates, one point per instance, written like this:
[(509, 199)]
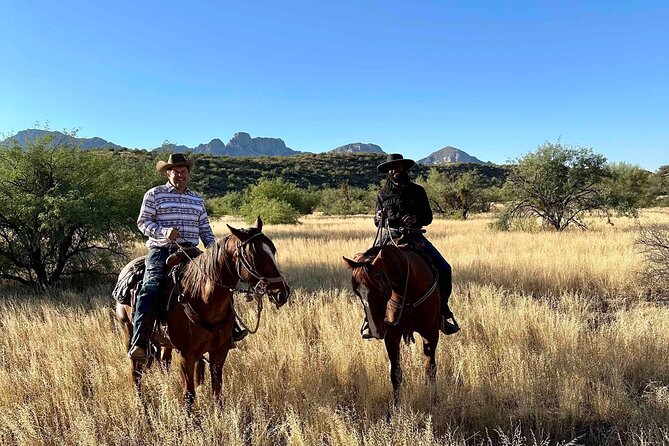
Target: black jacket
[(399, 201)]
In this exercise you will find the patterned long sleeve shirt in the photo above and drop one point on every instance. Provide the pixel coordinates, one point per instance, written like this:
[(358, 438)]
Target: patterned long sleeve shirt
[(164, 207)]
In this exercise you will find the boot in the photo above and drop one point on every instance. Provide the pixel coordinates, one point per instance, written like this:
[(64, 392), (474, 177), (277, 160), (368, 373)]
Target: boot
[(447, 327), (364, 330), (137, 353), (238, 333)]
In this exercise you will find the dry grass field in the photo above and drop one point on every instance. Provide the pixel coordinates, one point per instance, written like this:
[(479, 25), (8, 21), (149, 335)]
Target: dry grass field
[(558, 344)]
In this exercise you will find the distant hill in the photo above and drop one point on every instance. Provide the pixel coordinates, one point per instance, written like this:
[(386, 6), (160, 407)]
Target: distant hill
[(241, 144), (449, 155), (25, 137), (215, 175), (357, 147)]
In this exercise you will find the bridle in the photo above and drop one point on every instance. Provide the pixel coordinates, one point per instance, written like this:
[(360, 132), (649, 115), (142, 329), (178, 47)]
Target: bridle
[(385, 284), (260, 288), (255, 293)]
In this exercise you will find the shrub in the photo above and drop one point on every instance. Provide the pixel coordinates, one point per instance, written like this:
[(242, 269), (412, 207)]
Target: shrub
[(65, 212), (273, 211), (229, 204)]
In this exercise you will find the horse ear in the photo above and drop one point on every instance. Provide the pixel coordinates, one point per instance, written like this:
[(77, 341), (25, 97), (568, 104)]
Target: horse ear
[(352, 264), (259, 223), (378, 261), (241, 235)]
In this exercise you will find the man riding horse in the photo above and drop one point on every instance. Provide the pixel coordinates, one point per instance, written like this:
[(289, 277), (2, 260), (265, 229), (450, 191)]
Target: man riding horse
[(403, 206), (171, 216)]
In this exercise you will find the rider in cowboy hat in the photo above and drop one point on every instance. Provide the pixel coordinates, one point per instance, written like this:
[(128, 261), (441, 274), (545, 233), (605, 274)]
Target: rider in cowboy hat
[(169, 212), (404, 204)]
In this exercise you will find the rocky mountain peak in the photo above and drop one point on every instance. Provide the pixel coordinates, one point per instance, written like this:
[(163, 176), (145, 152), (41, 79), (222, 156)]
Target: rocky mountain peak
[(358, 147), (449, 155)]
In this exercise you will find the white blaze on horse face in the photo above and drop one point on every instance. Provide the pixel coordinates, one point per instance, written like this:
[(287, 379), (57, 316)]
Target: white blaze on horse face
[(269, 252), (363, 291)]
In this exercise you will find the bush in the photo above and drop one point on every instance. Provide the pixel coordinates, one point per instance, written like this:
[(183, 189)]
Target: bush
[(346, 200), (653, 242), (65, 212), (229, 204), (273, 211), (558, 184), (303, 201)]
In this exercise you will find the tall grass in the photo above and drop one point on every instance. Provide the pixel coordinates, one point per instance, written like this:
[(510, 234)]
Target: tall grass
[(557, 344)]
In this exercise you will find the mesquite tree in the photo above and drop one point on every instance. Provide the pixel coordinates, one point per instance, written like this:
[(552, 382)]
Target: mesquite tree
[(64, 211), (558, 184), (653, 243)]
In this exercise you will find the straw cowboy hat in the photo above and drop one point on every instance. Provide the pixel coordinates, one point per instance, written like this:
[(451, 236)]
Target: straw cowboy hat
[(175, 160), (392, 159)]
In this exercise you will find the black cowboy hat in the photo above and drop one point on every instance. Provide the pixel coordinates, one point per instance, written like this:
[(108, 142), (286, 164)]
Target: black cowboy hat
[(175, 160), (392, 159)]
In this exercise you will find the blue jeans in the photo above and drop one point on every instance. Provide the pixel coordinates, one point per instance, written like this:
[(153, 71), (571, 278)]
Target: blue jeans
[(142, 321), (444, 268)]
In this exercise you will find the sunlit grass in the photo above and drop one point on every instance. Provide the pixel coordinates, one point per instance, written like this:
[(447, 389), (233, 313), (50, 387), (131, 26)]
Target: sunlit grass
[(557, 343)]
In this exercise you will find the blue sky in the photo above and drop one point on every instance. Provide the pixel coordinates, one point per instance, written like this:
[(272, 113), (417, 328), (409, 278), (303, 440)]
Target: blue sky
[(493, 78)]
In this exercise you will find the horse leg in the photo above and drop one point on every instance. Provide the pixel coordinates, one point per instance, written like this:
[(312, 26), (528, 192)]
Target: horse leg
[(430, 350), (200, 365), (188, 378), (166, 358), (392, 342), (216, 361)]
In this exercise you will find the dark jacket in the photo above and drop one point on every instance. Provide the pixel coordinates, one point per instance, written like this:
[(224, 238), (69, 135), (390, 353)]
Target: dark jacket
[(399, 201)]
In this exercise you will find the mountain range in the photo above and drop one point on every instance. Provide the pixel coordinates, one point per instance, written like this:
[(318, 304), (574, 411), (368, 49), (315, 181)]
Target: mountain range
[(241, 144)]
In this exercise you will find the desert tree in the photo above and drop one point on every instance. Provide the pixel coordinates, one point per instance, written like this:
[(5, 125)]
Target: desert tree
[(557, 183), (64, 211), (456, 195), (653, 243)]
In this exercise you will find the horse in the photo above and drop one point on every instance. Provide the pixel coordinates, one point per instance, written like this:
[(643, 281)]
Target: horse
[(399, 283), (202, 317)]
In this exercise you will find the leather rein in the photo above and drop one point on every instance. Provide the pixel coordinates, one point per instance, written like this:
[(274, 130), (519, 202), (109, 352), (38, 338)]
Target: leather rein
[(386, 283), (383, 278), (258, 290)]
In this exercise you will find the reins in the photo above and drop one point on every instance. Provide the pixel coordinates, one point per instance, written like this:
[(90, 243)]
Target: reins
[(384, 225), (255, 293)]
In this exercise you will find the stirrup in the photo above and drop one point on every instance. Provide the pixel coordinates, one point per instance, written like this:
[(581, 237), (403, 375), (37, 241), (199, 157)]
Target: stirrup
[(238, 333), (365, 332), (137, 353), (447, 327)]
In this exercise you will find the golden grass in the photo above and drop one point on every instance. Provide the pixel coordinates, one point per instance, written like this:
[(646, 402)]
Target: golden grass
[(557, 343)]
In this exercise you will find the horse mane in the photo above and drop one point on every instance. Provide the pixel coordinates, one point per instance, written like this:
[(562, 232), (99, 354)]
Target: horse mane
[(391, 252), (203, 271), (362, 274)]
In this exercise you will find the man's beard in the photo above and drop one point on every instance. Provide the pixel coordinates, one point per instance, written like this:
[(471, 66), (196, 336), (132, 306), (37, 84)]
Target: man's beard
[(400, 177)]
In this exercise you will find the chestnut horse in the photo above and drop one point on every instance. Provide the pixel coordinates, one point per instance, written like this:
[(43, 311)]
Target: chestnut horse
[(399, 293), (201, 320)]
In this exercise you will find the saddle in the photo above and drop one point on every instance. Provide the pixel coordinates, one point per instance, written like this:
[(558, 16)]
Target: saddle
[(405, 240), (129, 281)]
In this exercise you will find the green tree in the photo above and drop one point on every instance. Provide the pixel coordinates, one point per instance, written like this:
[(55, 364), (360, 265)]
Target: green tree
[(458, 196), (628, 188), (346, 200), (273, 211), (302, 200), (64, 211), (229, 204), (557, 183)]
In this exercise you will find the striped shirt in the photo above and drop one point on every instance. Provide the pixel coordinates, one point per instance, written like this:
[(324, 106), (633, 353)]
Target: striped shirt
[(164, 207)]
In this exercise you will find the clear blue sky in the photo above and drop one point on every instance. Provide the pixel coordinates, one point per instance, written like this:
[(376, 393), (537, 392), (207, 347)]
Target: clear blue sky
[(493, 78)]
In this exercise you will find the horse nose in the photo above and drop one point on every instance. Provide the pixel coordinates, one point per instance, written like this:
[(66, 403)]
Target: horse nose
[(282, 296)]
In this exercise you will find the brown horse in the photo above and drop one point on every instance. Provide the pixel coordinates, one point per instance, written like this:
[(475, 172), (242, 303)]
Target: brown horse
[(398, 283), (202, 318)]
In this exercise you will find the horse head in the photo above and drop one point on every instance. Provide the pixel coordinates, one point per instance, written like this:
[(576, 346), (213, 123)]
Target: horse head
[(256, 263), (371, 284)]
